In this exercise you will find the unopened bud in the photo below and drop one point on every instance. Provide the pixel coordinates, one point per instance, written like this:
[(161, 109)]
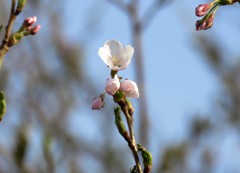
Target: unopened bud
[(202, 9), (129, 88), (98, 103), (205, 23), (35, 29), (112, 85), (28, 22)]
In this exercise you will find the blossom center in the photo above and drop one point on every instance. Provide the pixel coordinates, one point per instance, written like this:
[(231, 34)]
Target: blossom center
[(116, 61)]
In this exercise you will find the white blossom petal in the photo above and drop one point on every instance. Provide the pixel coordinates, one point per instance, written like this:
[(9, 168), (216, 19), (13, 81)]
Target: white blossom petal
[(115, 47), (104, 54), (115, 55), (127, 55)]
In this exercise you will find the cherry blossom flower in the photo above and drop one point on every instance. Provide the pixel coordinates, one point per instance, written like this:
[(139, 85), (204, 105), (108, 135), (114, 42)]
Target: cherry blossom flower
[(112, 85), (129, 88), (115, 55)]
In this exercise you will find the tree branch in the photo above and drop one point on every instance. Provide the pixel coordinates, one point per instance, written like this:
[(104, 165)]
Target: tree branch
[(131, 142), (11, 20)]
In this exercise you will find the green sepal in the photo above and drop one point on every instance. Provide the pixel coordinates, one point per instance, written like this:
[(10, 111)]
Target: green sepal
[(2, 105), (119, 96)]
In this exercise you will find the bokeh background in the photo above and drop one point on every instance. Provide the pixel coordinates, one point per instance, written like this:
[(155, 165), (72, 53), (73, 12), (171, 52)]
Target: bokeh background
[(188, 113)]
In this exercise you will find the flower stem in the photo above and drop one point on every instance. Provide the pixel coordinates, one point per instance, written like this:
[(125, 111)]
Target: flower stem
[(132, 143)]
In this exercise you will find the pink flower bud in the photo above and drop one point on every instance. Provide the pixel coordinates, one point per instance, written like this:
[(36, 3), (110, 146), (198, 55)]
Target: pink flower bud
[(35, 29), (112, 85), (202, 9), (205, 24), (28, 22), (98, 103), (200, 25), (129, 88)]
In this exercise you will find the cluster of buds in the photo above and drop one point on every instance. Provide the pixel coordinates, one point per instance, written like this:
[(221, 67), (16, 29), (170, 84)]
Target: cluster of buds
[(28, 25), (116, 57), (208, 11), (26, 29)]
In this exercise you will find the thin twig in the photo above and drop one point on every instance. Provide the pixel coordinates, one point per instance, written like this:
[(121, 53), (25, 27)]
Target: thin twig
[(4, 47), (9, 26), (132, 144)]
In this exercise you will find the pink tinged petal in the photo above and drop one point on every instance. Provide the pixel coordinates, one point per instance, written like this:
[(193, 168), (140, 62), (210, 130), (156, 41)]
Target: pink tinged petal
[(98, 103), (112, 85), (202, 9), (205, 23), (200, 25), (129, 88), (35, 30), (28, 22)]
